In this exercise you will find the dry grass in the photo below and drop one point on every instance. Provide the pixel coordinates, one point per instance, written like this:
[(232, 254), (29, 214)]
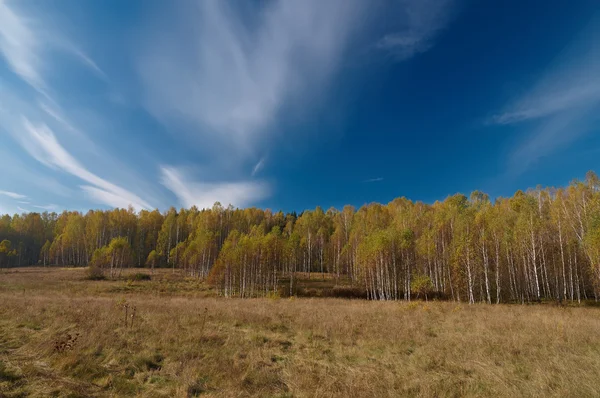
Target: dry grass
[(185, 343)]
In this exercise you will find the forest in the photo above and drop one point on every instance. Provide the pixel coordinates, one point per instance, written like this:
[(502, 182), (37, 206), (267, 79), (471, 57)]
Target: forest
[(542, 244)]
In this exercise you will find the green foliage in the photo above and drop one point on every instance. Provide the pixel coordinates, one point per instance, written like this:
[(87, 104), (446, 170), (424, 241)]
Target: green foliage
[(152, 259), (95, 273), (540, 243), (100, 258), (5, 246), (422, 285), (6, 252)]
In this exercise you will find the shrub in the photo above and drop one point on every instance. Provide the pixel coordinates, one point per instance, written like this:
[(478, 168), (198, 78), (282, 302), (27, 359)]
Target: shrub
[(95, 273), (348, 292), (422, 286), (140, 276)]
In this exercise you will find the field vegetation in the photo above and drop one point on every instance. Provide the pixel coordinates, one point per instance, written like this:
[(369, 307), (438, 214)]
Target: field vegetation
[(164, 334)]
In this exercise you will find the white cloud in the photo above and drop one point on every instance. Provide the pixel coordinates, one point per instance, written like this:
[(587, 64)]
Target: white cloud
[(547, 101), (563, 105), (572, 82), (19, 46), (13, 195), (26, 174), (30, 49), (86, 60), (43, 146), (227, 75), (204, 194), (564, 89), (25, 43), (111, 198), (34, 47), (422, 20), (55, 114), (46, 207), (377, 179), (231, 80), (550, 135), (259, 166)]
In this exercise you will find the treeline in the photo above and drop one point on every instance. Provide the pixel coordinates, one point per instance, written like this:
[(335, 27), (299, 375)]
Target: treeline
[(539, 244)]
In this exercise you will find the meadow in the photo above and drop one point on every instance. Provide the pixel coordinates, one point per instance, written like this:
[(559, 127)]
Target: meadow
[(62, 335)]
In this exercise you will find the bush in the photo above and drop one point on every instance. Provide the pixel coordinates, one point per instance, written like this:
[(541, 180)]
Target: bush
[(139, 276), (347, 292), (422, 286), (95, 273)]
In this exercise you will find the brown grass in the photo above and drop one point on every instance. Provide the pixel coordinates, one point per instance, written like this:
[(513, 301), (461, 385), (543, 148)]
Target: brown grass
[(186, 343)]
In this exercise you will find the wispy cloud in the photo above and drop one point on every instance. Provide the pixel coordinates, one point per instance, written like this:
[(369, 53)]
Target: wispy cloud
[(573, 85), (86, 60), (226, 76), (572, 82), (19, 46), (205, 194), (55, 114), (25, 44), (17, 197), (563, 105), (32, 48), (550, 135), (45, 148), (548, 101), (230, 80), (377, 179), (28, 175), (421, 20), (258, 166), (47, 207), (114, 198), (13, 195)]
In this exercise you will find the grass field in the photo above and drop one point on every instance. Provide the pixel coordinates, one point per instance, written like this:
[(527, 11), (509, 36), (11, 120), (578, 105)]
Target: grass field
[(62, 335)]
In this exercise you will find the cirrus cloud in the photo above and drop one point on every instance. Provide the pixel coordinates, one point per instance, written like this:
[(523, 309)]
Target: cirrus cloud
[(45, 148), (205, 194)]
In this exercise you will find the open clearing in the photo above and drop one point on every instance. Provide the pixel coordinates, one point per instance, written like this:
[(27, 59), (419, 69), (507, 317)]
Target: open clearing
[(61, 335)]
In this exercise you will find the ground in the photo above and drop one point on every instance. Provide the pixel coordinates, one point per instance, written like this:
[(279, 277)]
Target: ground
[(62, 335)]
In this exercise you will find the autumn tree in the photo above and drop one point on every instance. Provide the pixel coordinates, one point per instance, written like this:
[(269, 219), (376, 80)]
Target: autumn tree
[(539, 244)]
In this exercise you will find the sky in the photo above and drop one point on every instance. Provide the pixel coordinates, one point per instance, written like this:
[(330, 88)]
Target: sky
[(292, 104)]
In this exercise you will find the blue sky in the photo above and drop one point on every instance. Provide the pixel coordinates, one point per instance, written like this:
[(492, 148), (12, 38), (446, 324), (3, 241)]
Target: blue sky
[(292, 104)]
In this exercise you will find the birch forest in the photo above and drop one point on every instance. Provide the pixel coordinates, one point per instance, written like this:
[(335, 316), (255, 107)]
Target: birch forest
[(542, 244)]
